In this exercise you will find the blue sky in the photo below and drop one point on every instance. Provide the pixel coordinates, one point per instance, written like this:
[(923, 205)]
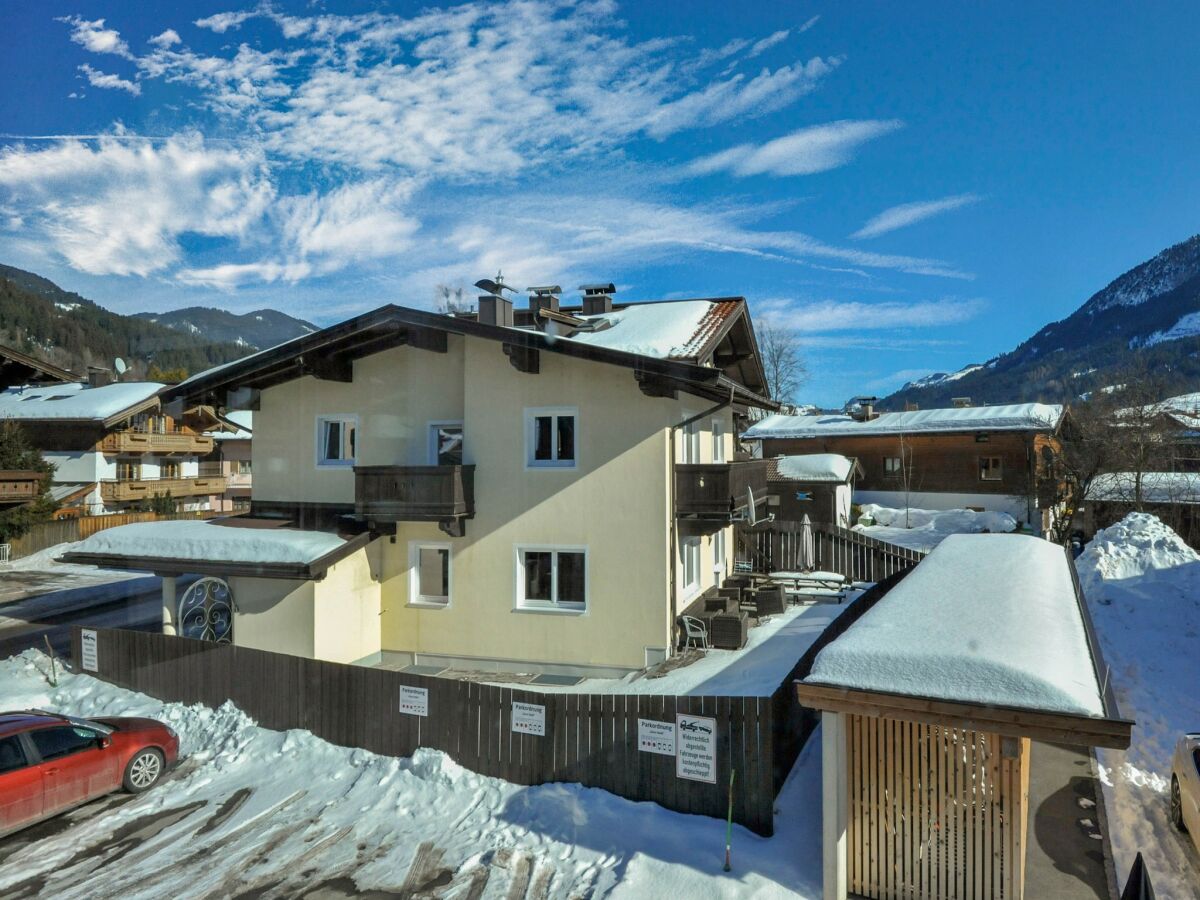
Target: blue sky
[(910, 188)]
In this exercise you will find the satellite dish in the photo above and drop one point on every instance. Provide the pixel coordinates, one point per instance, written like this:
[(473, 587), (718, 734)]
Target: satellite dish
[(119, 365), (751, 510)]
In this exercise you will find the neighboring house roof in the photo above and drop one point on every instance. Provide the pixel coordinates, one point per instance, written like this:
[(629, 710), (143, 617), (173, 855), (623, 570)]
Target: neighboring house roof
[(241, 421), (1009, 631), (21, 368), (1157, 487), (391, 326), (669, 329), (819, 467), (1014, 417), (63, 491), (221, 547), (78, 402)]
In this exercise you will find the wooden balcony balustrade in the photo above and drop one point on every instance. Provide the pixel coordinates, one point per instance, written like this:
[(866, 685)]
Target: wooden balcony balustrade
[(442, 494), (19, 485), (122, 490), (715, 492), (155, 442)]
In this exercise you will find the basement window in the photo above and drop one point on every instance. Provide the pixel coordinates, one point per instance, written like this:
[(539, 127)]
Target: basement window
[(551, 438), (336, 440), (552, 578), (990, 468)]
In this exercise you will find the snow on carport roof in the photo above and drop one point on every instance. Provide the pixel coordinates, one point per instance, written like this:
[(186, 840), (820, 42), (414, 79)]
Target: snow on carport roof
[(984, 619), (1013, 417), (814, 467)]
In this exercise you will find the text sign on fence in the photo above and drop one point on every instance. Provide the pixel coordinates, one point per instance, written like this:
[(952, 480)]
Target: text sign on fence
[(656, 737), (414, 701), (529, 718), (88, 656), (696, 756)]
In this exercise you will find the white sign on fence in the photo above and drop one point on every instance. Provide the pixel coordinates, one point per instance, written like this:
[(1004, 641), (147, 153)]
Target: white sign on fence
[(414, 701), (696, 756), (656, 737), (88, 656), (528, 718)]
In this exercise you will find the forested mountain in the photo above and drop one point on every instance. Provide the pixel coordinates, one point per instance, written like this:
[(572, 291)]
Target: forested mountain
[(1148, 319), (253, 330)]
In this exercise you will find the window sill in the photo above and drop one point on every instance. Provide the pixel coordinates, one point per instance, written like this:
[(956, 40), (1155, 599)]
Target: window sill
[(337, 464), (551, 467), (550, 610), (427, 604)]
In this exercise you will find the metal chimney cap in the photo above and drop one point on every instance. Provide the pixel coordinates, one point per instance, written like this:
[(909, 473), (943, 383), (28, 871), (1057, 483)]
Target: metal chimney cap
[(598, 288), (545, 289)]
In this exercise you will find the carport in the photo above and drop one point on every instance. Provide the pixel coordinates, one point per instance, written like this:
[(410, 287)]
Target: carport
[(929, 705)]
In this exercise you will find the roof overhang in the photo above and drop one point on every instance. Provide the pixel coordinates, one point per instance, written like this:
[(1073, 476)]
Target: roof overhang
[(1062, 728)]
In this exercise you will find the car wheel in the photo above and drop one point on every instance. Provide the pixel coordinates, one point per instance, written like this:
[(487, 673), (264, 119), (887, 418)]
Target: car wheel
[(1176, 805), (143, 770)]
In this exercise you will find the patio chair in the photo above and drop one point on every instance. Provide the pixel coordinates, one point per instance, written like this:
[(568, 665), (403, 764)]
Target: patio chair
[(694, 629)]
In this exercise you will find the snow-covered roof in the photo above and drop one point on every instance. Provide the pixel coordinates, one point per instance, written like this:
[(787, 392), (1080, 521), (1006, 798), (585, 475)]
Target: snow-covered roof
[(184, 540), (831, 467), (1157, 487), (74, 401), (668, 329), (983, 619), (244, 419), (65, 490), (1013, 417)]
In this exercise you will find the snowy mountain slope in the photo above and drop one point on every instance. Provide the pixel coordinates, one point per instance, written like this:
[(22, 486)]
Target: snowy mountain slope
[(255, 330), (1142, 584), (1151, 313)]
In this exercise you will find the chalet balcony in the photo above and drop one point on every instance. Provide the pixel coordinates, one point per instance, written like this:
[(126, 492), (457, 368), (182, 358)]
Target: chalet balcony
[(127, 490), (19, 486), (718, 492), (442, 494), (155, 442)]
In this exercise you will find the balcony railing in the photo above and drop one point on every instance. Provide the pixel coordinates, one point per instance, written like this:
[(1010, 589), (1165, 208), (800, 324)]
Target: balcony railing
[(154, 442), (717, 491), (122, 490), (19, 486), (443, 494)]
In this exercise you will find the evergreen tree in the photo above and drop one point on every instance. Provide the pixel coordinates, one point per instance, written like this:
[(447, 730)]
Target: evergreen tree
[(17, 453)]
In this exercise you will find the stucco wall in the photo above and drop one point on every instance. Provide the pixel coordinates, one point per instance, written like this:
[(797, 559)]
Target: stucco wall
[(273, 614), (346, 608)]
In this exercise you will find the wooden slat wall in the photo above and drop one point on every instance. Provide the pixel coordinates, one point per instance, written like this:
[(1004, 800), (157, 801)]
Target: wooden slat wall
[(935, 813), (778, 547), (590, 739)]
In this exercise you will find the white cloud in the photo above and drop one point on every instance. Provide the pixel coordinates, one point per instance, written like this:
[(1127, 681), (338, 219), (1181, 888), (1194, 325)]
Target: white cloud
[(166, 39), (100, 79), (910, 213), (823, 316), (768, 42), (222, 22), (809, 24), (93, 36), (120, 208), (807, 151)]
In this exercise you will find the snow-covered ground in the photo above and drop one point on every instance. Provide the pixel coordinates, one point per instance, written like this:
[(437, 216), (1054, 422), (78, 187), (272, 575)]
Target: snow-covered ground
[(283, 814), (924, 529), (1143, 589), (45, 561)]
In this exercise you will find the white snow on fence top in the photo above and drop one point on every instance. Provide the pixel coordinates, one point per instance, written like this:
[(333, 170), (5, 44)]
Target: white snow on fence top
[(210, 542), (815, 467), (244, 419), (1157, 487), (666, 330), (1014, 417), (74, 401), (984, 618)]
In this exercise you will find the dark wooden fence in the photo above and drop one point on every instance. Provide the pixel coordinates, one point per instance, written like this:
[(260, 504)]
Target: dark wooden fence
[(780, 546), (591, 739)]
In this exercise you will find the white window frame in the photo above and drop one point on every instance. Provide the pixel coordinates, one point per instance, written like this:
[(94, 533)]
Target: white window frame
[(431, 443), (532, 413), (689, 443), (319, 442), (415, 597), (720, 562), (718, 441), (521, 604), (688, 545)]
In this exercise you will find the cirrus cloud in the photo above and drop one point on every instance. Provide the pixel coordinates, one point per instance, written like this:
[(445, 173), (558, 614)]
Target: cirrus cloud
[(911, 213), (806, 151)]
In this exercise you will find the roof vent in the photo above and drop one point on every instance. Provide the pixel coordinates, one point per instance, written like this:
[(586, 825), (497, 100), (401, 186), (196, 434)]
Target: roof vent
[(597, 298), (494, 307), (862, 409), (960, 402), (98, 377), (911, 406)]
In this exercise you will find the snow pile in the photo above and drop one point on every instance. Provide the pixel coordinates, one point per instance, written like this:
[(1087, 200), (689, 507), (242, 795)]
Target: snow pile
[(663, 330), (252, 812), (924, 529), (200, 540), (74, 401), (1009, 631), (815, 467), (1143, 588)]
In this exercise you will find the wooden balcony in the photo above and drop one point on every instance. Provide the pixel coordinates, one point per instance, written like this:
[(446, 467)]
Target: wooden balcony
[(19, 486), (717, 493), (442, 494), (122, 491), (153, 442)]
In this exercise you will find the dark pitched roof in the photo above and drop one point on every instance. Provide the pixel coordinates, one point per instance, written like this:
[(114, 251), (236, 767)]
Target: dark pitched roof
[(21, 368)]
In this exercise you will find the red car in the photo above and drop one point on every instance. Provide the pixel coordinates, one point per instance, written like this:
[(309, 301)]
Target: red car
[(50, 762)]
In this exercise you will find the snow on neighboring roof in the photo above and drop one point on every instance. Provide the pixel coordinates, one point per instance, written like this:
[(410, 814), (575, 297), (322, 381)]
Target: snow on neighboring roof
[(1013, 417), (74, 401), (1157, 487), (67, 489), (210, 542), (985, 618), (244, 419), (814, 467), (667, 329)]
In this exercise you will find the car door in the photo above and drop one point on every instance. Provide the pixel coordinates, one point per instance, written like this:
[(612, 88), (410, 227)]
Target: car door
[(21, 800), (74, 765), (1190, 795)]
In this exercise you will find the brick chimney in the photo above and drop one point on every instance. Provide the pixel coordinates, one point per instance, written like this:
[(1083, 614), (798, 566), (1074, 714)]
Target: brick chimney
[(98, 377), (597, 298)]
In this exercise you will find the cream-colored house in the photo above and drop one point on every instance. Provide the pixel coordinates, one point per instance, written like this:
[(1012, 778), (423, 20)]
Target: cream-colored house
[(538, 490)]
